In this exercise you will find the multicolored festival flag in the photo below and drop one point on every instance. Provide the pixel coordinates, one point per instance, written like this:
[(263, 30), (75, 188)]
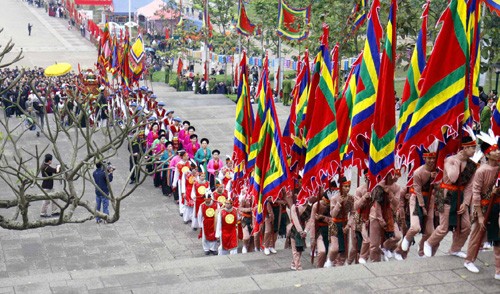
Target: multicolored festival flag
[(495, 118), (364, 103), (293, 130), (244, 26), (322, 153), (344, 105), (243, 126), (411, 90), (382, 143), (443, 87), (357, 18), (136, 60), (270, 172), (474, 32), (262, 90), (293, 23), (493, 5), (127, 75)]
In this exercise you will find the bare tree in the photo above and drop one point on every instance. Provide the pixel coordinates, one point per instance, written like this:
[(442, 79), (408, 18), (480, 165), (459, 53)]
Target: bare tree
[(77, 147)]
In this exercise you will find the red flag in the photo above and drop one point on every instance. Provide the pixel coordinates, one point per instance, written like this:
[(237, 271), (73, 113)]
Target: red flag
[(244, 26)]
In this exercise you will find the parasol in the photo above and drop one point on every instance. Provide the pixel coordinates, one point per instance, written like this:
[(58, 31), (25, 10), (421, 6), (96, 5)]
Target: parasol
[(57, 69)]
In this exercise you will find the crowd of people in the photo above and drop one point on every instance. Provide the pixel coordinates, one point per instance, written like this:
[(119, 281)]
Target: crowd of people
[(372, 225), (379, 222)]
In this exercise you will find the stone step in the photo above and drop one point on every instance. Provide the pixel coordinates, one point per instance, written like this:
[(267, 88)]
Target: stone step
[(256, 272)]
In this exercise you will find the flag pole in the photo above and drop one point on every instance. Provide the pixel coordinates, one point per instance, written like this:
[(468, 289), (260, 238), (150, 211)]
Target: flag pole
[(206, 65), (130, 17), (239, 44)]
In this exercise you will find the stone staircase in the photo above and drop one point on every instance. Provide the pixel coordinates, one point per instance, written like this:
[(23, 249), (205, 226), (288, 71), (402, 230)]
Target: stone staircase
[(255, 272)]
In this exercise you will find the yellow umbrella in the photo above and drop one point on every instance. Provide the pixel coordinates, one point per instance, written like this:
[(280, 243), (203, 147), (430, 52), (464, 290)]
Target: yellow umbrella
[(57, 69)]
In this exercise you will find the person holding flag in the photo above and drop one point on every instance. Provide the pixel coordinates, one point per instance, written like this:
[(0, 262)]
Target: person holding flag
[(320, 220), (301, 225), (453, 198), (422, 200), (360, 241), (342, 212), (385, 198), (486, 203)]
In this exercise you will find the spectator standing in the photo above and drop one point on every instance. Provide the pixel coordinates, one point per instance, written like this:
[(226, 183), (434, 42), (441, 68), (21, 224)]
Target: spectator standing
[(102, 177), (48, 185)]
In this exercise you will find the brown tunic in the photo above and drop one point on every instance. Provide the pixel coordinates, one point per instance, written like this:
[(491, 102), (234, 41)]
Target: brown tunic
[(483, 182)]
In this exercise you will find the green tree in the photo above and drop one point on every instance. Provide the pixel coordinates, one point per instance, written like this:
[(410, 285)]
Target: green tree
[(221, 12)]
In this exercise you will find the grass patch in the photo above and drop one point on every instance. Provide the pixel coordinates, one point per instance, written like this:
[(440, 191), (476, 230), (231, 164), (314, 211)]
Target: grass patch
[(232, 97)]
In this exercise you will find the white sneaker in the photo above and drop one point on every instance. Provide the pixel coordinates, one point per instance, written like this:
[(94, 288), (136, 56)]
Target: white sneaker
[(471, 267), (362, 260), (266, 251), (387, 253), (497, 276), (272, 250), (244, 250), (427, 249), (293, 268), (459, 254), (405, 244), (328, 264), (487, 246), (398, 256)]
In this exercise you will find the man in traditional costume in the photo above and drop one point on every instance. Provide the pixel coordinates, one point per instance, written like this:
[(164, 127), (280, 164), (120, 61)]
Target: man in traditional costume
[(422, 201), (245, 211), (359, 238), (200, 188), (226, 175), (220, 195), (174, 128), (152, 103), (300, 216), (227, 220), (453, 198), (486, 204), (320, 220), (206, 220), (385, 197), (182, 169), (342, 212), (160, 114)]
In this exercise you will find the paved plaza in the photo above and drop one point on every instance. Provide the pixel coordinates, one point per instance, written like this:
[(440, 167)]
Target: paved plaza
[(150, 250)]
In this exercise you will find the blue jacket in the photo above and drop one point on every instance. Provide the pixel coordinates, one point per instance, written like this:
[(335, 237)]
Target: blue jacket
[(100, 180)]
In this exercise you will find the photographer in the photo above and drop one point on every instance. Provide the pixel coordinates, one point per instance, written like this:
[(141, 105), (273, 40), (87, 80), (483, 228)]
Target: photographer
[(102, 187), (48, 185)]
